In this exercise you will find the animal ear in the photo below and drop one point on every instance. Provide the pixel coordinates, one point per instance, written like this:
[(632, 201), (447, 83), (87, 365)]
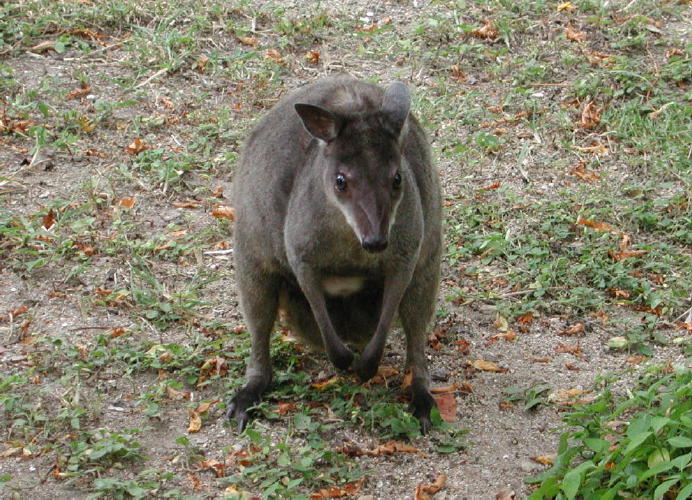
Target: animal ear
[(318, 121), (395, 107)]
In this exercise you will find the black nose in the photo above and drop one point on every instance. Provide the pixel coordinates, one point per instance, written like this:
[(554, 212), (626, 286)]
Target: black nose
[(374, 244)]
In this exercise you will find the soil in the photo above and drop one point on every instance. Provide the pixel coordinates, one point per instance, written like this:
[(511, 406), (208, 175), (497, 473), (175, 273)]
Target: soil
[(503, 438)]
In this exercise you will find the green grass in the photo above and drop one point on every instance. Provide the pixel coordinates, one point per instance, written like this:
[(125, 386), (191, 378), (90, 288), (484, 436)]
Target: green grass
[(189, 79)]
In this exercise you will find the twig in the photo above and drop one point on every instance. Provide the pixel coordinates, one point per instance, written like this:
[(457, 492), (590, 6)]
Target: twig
[(155, 75)]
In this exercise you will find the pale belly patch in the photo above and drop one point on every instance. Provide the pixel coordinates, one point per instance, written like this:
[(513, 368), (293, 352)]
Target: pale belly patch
[(342, 286)]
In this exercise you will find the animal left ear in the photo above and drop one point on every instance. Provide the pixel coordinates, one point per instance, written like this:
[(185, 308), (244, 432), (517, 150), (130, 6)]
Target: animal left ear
[(319, 122), (395, 107)]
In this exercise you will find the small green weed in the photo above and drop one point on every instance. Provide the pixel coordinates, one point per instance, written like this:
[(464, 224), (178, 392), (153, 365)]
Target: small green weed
[(637, 447)]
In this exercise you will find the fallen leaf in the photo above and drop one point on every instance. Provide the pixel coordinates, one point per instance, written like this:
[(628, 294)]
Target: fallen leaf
[(463, 346), (43, 47), (447, 405), (127, 202), (347, 490), (84, 89), (626, 255), (572, 367), (525, 319), (487, 31), (187, 204), (506, 494), (575, 329), (544, 359), (48, 220), (201, 63), (501, 323), (575, 350), (635, 360), (584, 174), (195, 421), (175, 394), (219, 468), (565, 6), (590, 116), (117, 332), (136, 146), (217, 192), (320, 386), (596, 148), (284, 408), (386, 448), (223, 212), (273, 55), (544, 459), (204, 407), (596, 225), (194, 481), (383, 373), (574, 35), (247, 40), (313, 56), (488, 366)]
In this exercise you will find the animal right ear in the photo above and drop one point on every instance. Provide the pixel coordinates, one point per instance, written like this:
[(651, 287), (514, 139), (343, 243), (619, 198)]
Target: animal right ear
[(318, 121)]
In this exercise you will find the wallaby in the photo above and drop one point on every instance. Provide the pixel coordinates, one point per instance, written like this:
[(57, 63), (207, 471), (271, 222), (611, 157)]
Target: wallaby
[(338, 222)]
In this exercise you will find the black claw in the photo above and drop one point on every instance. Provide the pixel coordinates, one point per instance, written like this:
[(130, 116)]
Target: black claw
[(422, 404), (239, 405)]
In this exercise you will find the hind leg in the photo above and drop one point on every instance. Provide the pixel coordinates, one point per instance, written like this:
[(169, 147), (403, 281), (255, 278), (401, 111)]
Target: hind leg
[(259, 297), (415, 311)]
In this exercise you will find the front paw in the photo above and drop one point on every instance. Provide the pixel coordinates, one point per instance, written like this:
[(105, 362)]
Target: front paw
[(366, 367), (422, 404), (238, 406), (341, 357)]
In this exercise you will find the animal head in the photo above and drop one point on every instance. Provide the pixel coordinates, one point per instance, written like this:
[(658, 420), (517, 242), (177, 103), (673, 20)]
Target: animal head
[(361, 162)]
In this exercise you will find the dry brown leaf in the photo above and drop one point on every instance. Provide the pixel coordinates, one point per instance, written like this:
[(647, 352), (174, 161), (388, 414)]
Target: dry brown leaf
[(487, 366), (463, 346), (84, 89), (584, 174), (487, 31), (284, 408), (383, 373), (544, 459), (590, 115), (195, 422), (136, 146), (223, 212), (574, 35), (126, 202), (117, 332), (575, 350), (43, 47), (386, 448), (312, 56), (247, 40), (320, 386), (48, 220), (626, 255), (575, 329), (187, 204), (506, 494), (537, 359), (565, 6), (175, 394), (219, 468), (273, 55), (347, 490), (594, 149), (204, 407), (201, 63), (447, 405), (597, 225), (525, 319)]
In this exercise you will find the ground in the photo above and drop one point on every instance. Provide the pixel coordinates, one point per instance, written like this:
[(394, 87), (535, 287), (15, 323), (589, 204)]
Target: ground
[(561, 131)]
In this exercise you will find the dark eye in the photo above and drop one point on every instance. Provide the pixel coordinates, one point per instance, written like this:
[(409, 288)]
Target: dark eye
[(340, 183), (397, 180)]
